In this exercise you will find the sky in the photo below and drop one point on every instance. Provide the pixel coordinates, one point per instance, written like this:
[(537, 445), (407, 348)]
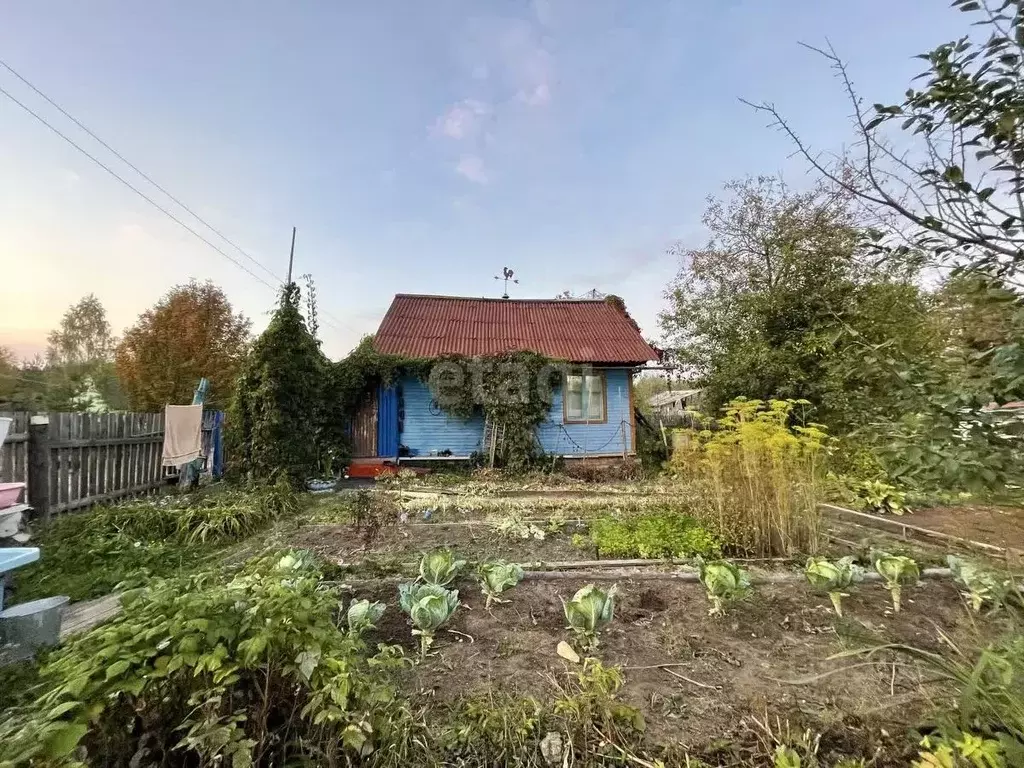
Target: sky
[(418, 147)]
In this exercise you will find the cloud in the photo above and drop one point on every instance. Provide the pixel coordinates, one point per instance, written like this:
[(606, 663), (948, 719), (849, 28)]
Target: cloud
[(528, 66), (508, 68), (540, 96), (543, 11), (472, 167), (462, 120)]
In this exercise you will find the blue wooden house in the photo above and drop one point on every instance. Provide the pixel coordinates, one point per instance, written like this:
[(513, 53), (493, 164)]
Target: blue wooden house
[(592, 410)]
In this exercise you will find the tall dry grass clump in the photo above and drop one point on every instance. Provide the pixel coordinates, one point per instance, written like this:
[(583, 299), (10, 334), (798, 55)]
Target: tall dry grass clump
[(759, 477)]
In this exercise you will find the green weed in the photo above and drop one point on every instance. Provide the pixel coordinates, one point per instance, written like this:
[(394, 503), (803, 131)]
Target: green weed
[(663, 534)]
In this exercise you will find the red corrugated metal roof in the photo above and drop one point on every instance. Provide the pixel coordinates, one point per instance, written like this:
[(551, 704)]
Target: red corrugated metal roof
[(579, 331)]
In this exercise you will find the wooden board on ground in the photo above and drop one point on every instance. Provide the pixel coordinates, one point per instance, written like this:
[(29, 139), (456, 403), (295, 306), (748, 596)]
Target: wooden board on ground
[(84, 615)]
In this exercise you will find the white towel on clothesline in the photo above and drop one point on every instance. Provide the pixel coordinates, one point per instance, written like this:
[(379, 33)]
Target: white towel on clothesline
[(183, 434)]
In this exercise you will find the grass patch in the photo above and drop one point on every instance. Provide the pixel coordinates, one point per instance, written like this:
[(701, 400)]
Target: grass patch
[(653, 535), (88, 554)]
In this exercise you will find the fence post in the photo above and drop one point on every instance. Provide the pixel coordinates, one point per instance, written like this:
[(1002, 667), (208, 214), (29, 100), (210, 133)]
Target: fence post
[(39, 465)]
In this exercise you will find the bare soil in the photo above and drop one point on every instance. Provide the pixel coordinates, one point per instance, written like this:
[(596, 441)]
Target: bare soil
[(345, 543), (768, 654), (701, 682), (1001, 526)]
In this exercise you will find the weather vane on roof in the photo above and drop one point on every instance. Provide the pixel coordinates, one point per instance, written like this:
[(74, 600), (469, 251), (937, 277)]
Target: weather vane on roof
[(507, 274)]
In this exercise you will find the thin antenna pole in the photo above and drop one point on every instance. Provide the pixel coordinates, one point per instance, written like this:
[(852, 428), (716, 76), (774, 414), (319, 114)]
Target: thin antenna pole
[(291, 258)]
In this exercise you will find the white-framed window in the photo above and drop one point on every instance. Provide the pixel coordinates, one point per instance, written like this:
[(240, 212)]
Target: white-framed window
[(585, 398)]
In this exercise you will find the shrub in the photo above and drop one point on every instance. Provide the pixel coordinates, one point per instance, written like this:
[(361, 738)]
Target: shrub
[(371, 512), (761, 478), (208, 670), (655, 535), (278, 414)]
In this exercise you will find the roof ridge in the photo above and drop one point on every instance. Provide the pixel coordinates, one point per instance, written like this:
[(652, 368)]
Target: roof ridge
[(491, 298)]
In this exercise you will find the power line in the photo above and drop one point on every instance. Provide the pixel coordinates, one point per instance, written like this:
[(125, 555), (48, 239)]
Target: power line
[(338, 323), (135, 168), (134, 189)]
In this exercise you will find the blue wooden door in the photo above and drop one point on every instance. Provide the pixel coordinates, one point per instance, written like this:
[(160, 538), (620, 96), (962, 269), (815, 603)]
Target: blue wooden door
[(387, 423)]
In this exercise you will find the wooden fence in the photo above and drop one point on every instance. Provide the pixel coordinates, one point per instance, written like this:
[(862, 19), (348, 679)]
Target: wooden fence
[(73, 460), (14, 452)]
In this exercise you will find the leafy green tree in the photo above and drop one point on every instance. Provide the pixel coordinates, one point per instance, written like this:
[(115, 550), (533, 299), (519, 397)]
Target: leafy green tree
[(9, 377), (780, 298), (277, 415), (83, 336), (79, 360), (951, 198)]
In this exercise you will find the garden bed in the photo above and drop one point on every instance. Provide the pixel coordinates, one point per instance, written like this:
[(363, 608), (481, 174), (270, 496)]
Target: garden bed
[(770, 653), (995, 525), (474, 541)]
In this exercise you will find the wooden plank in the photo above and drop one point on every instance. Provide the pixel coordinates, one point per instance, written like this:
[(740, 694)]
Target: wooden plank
[(39, 466), (66, 463), (119, 473), (151, 467), (129, 453), (81, 428), (147, 456), (56, 461), (133, 440), (92, 456), (904, 529), (52, 462), (158, 448), (16, 442), (101, 453), (104, 455), (115, 454), (136, 478), (82, 616), (20, 445), (140, 450)]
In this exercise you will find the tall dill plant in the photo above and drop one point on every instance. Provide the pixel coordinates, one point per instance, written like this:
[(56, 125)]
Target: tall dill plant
[(760, 477)]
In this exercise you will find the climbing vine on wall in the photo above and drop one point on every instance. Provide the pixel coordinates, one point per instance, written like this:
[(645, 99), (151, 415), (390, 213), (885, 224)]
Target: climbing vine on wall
[(514, 391)]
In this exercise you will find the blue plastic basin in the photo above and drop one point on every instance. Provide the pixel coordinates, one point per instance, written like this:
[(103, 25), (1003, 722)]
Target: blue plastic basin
[(15, 557)]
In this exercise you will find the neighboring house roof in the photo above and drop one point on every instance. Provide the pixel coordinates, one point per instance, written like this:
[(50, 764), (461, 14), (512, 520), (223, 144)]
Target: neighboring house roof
[(579, 331), (666, 398)]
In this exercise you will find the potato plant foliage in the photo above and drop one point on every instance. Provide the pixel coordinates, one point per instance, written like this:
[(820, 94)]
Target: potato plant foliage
[(208, 671)]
